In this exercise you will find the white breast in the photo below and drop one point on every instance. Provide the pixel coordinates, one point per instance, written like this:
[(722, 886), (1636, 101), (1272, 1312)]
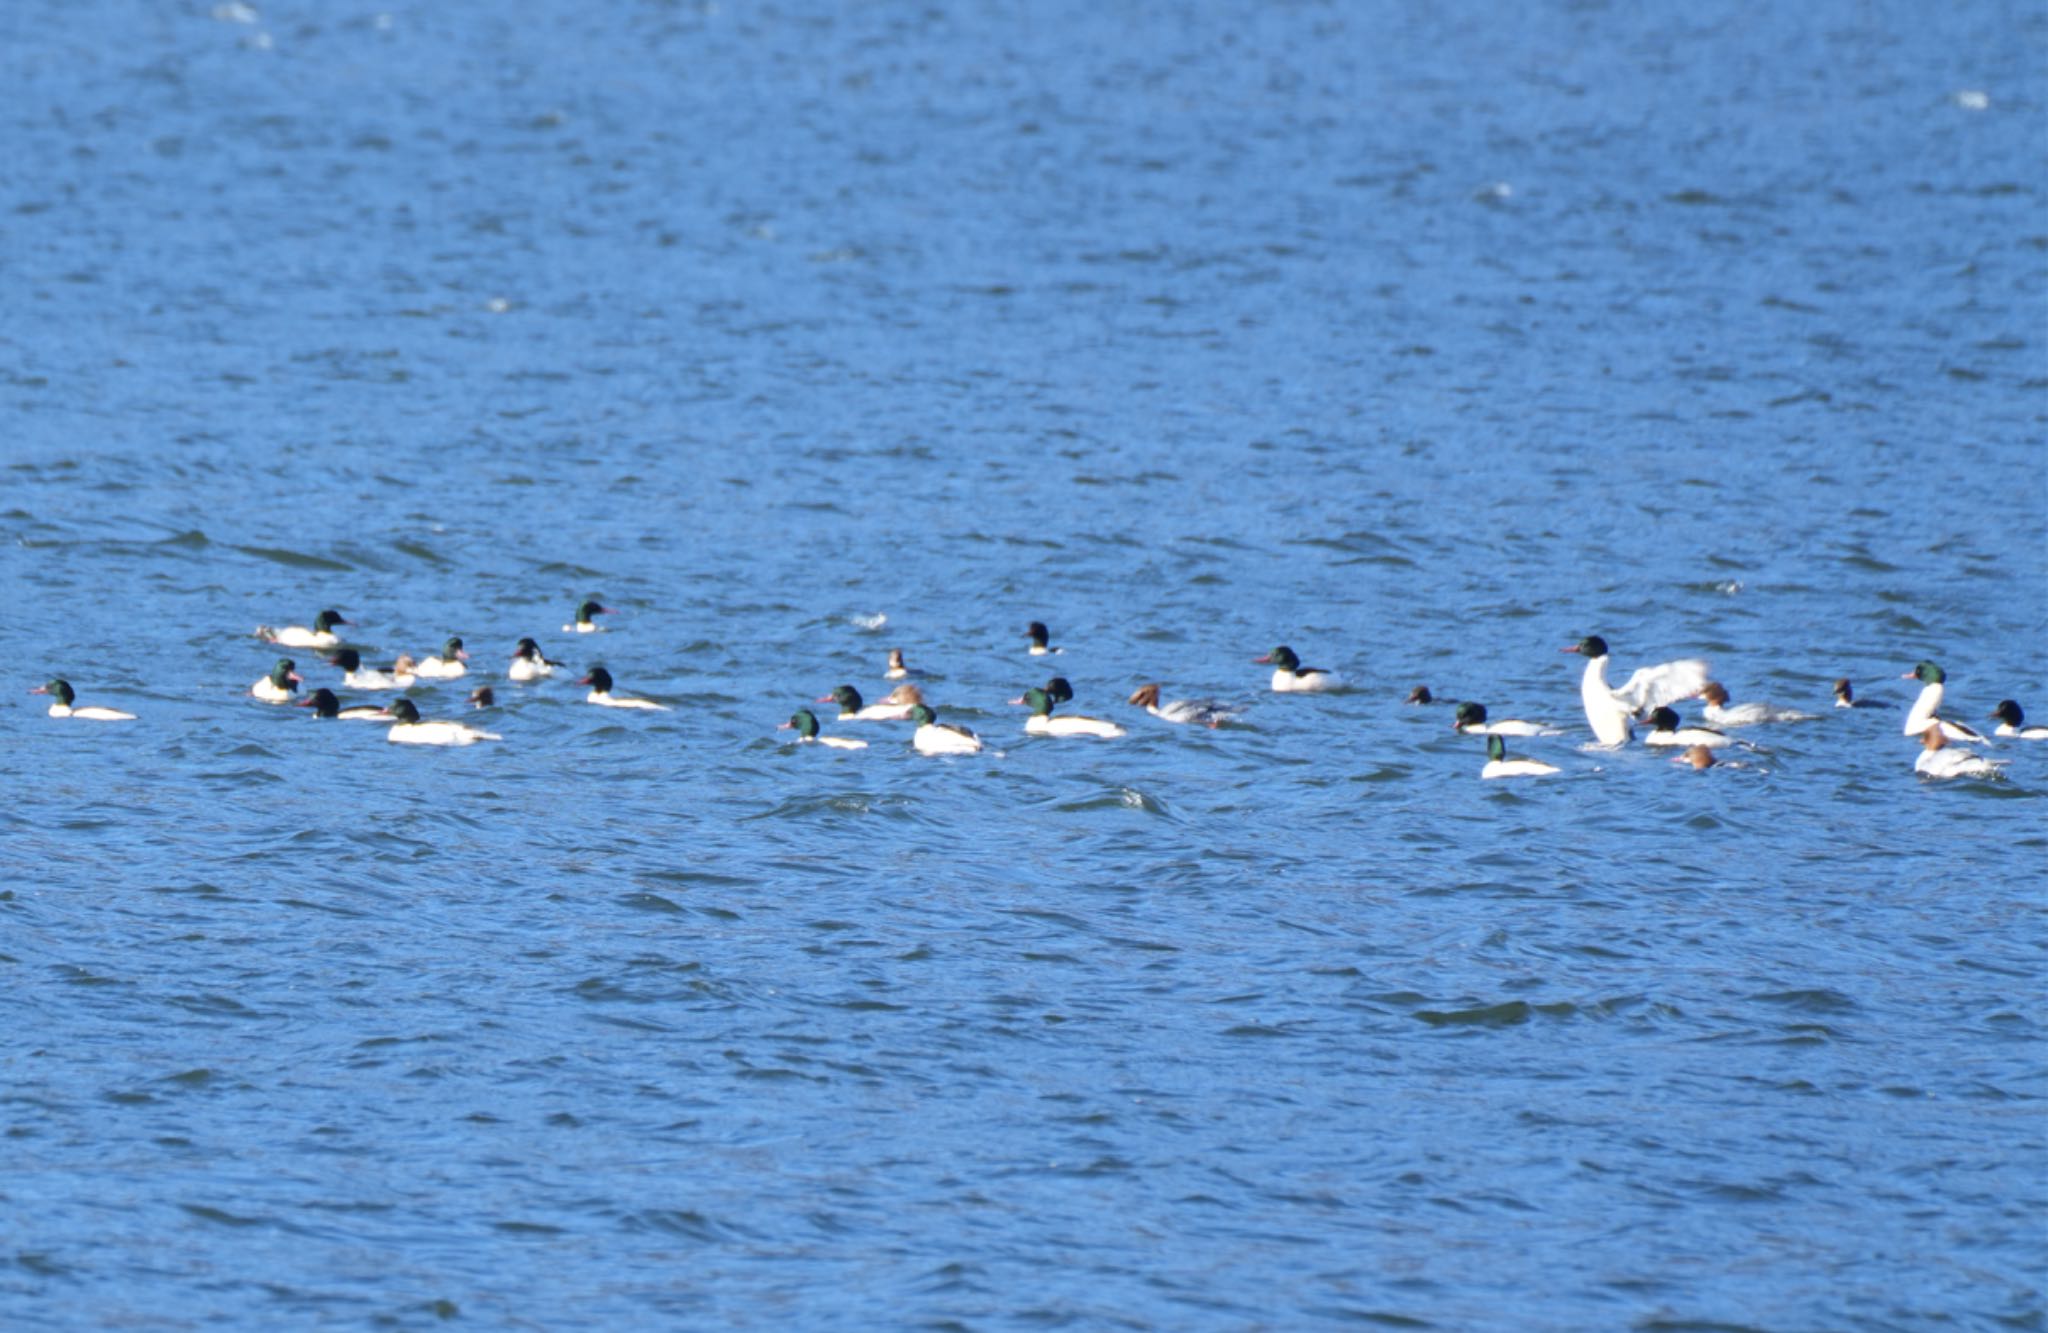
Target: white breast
[(936, 738), (437, 733)]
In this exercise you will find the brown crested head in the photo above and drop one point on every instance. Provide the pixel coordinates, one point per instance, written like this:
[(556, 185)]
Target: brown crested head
[(1421, 695), (905, 694), (896, 659), (1931, 737), (1699, 756), (1146, 696), (1713, 693)]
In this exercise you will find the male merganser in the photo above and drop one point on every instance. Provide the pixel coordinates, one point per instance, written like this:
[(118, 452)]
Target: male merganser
[(2013, 722), (896, 708), (280, 685), (584, 623), (66, 698), (897, 670), (324, 704), (528, 663), (1498, 765), (1924, 712), (1720, 714), (1421, 695), (1609, 711), (1666, 730), (407, 729), (1939, 759), (1291, 677), (447, 665), (358, 677), (322, 634), (935, 737), (1471, 720), (1698, 756), (805, 724), (1040, 639), (1845, 697), (1206, 712), (482, 697), (600, 682), (1043, 723)]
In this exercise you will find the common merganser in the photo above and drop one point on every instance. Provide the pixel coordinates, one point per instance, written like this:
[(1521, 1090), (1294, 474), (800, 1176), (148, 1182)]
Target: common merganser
[(1421, 695), (447, 665), (1609, 711), (324, 704), (1498, 765), (1471, 720), (1040, 639), (1720, 714), (896, 708), (584, 623), (1939, 759), (1925, 710), (600, 682), (407, 729), (1291, 677), (805, 724), (528, 662), (482, 697), (1043, 723), (2013, 722), (1665, 729), (1698, 756), (1204, 712), (357, 677), (897, 670), (64, 704), (935, 737), (322, 634), (280, 685), (1845, 697)]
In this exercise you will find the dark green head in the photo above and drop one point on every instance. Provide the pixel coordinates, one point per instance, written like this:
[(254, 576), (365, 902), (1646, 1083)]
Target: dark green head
[(585, 612), (59, 689), (322, 702), (1927, 674), (526, 648), (804, 723), (451, 651), (348, 659), (1496, 748), (1039, 702), (1590, 646), (1037, 633), (1469, 714), (2008, 710), (285, 675), (1058, 690), (599, 680), (403, 710), (325, 622), (847, 697), (1663, 719), (1281, 658), (923, 715)]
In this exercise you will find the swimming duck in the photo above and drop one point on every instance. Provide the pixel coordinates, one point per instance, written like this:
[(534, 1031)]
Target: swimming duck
[(897, 670), (482, 697), (324, 704), (1471, 720), (280, 685), (408, 729), (1609, 711), (1498, 765), (64, 704), (1697, 756), (446, 665), (1203, 712), (935, 737), (1845, 697), (1291, 677), (1939, 759), (805, 724), (896, 708), (1041, 639), (1043, 723), (1718, 711), (1924, 712), (1421, 695), (322, 634), (2013, 722), (1665, 729), (584, 623), (528, 662), (356, 676), (600, 682)]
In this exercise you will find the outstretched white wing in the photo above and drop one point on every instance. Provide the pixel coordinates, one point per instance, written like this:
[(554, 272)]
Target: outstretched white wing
[(1656, 686)]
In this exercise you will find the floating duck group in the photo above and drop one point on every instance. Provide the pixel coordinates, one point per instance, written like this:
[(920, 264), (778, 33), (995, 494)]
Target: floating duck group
[(1612, 713)]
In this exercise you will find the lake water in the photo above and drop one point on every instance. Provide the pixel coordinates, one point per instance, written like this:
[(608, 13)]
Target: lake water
[(1424, 339)]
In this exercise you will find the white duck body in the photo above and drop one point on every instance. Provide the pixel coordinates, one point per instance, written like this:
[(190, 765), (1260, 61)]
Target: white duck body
[(1609, 711), (1186, 712), (1309, 680), (369, 678), (1665, 730), (64, 702), (1471, 720), (446, 665), (939, 738), (437, 733), (606, 699), (1939, 759), (2012, 723), (1721, 713), (1040, 724), (298, 636), (526, 668), (1925, 709), (1498, 765)]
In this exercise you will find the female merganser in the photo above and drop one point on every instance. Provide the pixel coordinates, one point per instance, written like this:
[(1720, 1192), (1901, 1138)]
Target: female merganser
[(322, 634), (1923, 714), (1043, 723), (1498, 765), (805, 724), (447, 665), (1421, 695), (1720, 714), (2013, 722), (896, 708), (1471, 720), (357, 677), (1698, 756), (1291, 677), (1939, 759), (584, 623), (897, 670), (324, 704), (935, 737), (528, 663), (1665, 730), (409, 730), (1609, 711), (280, 685), (66, 698), (1206, 712), (482, 697), (1845, 697), (1040, 639), (600, 682)]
